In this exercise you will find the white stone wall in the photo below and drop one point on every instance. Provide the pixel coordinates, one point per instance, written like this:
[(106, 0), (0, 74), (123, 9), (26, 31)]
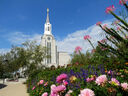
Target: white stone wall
[(53, 49), (64, 58)]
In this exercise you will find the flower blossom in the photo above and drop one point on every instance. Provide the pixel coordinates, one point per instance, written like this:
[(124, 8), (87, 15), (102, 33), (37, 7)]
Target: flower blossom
[(77, 63), (101, 79), (33, 87), (68, 93), (41, 81), (88, 79), (72, 78), (56, 89), (65, 83), (86, 92), (98, 23), (45, 84), (104, 26), (87, 37), (61, 77), (45, 94), (118, 28), (116, 22), (53, 93), (109, 72), (93, 77), (124, 86), (114, 81), (60, 88), (103, 40), (110, 9), (77, 49), (121, 2)]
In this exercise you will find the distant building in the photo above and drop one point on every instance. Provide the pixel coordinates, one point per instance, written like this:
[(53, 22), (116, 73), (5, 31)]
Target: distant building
[(48, 41)]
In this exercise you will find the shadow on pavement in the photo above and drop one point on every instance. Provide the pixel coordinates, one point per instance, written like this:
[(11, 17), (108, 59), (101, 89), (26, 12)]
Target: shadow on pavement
[(2, 86)]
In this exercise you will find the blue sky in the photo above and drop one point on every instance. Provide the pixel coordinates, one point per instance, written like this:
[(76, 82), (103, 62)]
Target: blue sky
[(22, 19)]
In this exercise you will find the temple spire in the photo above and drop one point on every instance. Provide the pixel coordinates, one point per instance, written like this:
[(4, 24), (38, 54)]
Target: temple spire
[(47, 25), (47, 20)]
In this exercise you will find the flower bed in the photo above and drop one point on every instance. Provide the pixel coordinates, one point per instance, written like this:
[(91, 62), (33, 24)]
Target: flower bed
[(72, 82)]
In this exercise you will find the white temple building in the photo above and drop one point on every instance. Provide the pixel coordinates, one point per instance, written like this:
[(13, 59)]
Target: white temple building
[(47, 40)]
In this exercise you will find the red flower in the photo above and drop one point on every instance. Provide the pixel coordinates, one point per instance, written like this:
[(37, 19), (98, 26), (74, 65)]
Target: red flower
[(110, 9), (87, 37)]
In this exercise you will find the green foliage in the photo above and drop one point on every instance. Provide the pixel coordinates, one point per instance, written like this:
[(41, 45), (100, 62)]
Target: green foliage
[(28, 57)]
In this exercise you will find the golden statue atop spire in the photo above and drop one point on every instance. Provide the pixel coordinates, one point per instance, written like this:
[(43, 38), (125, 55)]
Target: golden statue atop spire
[(47, 10)]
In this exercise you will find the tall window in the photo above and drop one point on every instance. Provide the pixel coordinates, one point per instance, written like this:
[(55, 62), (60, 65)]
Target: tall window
[(48, 28), (49, 52)]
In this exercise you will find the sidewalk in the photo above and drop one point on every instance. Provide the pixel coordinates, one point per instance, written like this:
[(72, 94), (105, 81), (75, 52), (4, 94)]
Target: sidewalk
[(14, 89)]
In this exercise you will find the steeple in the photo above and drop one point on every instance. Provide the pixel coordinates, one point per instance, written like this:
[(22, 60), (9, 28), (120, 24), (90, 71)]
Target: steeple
[(47, 20), (47, 25)]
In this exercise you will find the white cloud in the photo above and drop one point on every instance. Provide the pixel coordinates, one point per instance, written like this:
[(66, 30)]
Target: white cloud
[(76, 39), (69, 43), (18, 38)]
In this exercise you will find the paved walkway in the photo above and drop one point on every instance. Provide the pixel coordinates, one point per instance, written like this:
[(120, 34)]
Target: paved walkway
[(14, 89)]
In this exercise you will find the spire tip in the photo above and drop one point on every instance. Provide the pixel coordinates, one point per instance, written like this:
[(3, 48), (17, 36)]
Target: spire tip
[(47, 9)]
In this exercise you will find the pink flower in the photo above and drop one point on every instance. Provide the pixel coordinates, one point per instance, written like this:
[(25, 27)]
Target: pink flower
[(114, 82), (41, 81), (98, 23), (53, 93), (121, 2), (116, 22), (104, 26), (118, 28), (124, 86), (110, 9), (65, 83), (92, 78), (77, 63), (57, 89), (45, 94), (68, 93), (61, 77), (46, 84), (77, 49), (86, 92), (101, 79), (103, 40), (33, 87), (88, 79), (109, 72), (87, 37), (60, 88)]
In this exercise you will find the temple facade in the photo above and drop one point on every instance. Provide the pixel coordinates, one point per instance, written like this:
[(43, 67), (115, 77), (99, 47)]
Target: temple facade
[(47, 40)]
